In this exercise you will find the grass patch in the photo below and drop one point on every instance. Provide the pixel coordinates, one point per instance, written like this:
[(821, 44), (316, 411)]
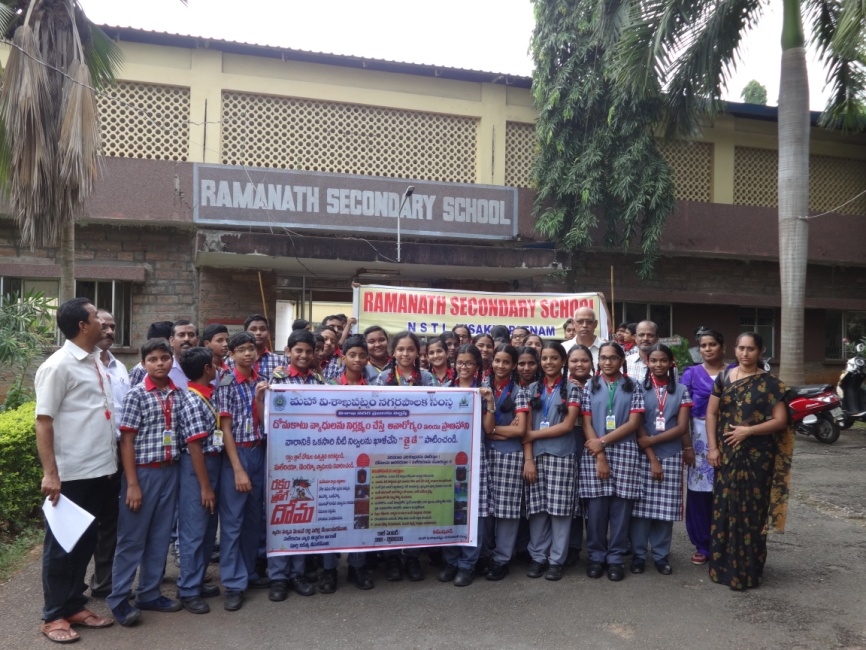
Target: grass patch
[(15, 549)]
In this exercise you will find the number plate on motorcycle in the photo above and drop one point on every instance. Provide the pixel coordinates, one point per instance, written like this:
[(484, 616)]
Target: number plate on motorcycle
[(836, 412)]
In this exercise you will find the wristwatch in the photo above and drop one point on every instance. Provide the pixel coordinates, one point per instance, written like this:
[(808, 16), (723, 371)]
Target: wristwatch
[(603, 443)]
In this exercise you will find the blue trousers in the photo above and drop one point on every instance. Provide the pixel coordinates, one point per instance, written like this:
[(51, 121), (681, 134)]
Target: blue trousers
[(466, 557), (575, 539), (331, 560), (143, 537), (656, 532), (283, 567), (240, 516), (548, 538), (506, 538), (603, 513), (196, 532)]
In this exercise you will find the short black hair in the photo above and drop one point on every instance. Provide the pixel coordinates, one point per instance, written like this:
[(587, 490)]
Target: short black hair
[(240, 338), (160, 329), (301, 336), (354, 341), (375, 328), (70, 314), (180, 323), (254, 317), (152, 345), (500, 332), (194, 360), (300, 324), (212, 330)]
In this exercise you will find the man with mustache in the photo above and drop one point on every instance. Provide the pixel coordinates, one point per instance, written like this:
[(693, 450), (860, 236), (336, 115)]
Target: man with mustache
[(106, 519), (184, 336)]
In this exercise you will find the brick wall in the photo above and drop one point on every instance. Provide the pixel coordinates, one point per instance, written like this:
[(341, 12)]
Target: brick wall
[(234, 294)]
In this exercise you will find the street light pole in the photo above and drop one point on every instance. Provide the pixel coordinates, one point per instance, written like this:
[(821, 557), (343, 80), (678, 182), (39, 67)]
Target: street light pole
[(406, 195)]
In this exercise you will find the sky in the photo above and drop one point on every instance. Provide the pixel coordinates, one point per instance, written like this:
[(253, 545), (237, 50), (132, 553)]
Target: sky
[(490, 35)]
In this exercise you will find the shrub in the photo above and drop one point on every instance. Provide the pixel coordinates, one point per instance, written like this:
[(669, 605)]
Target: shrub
[(20, 469)]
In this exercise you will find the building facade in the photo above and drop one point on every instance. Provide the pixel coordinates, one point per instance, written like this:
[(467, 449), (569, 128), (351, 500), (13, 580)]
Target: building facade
[(239, 178)]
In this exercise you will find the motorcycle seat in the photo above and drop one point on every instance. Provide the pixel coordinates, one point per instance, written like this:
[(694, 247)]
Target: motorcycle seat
[(812, 390)]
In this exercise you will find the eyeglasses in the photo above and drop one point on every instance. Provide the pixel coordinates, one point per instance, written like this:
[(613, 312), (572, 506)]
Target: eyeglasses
[(609, 359), (465, 364), (585, 322)]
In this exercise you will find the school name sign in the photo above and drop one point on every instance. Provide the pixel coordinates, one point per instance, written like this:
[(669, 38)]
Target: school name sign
[(242, 196), (433, 311)]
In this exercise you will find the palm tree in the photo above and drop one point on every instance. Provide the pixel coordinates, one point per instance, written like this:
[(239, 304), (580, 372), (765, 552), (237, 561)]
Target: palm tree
[(681, 52), (49, 125)]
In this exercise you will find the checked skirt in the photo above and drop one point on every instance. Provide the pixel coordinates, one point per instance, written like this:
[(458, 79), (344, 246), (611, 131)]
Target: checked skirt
[(662, 500), (556, 488)]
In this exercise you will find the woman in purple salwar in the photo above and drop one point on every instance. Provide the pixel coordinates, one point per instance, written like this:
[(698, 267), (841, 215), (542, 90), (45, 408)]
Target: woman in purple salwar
[(699, 502)]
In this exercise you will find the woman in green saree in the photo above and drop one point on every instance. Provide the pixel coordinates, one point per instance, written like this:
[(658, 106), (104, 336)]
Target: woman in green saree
[(750, 444)]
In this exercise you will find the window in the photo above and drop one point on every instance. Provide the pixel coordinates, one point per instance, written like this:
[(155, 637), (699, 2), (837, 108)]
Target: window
[(660, 314), (762, 321), (110, 295), (840, 326)]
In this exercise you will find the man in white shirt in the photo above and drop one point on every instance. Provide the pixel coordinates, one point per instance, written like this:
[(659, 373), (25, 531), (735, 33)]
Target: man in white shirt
[(646, 336), (75, 436), (585, 324), (106, 520), (184, 336)]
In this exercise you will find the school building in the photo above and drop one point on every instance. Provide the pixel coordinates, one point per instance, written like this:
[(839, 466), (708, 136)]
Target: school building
[(239, 175)]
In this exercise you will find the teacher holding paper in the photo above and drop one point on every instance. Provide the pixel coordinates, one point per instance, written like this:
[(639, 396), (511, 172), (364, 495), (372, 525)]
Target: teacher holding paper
[(77, 449)]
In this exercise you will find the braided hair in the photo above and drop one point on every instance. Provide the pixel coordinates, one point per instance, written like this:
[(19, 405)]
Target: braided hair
[(508, 403), (672, 378), (535, 402), (469, 348), (392, 364), (627, 383)]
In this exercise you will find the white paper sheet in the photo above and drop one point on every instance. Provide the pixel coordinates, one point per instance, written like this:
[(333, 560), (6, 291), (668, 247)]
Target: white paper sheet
[(67, 521)]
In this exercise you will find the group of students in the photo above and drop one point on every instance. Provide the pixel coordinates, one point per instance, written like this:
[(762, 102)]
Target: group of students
[(565, 442)]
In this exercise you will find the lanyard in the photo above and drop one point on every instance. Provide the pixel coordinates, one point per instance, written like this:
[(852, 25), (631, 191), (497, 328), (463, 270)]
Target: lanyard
[(497, 415), (548, 399), (166, 406), (209, 405), (662, 397), (401, 381), (102, 388), (251, 405), (611, 393)]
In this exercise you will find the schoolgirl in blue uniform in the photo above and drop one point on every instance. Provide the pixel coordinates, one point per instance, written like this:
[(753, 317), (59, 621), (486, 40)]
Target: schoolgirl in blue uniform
[(610, 478), (665, 427), (437, 355), (528, 370), (486, 345), (460, 561), (580, 371), (404, 369), (550, 471), (504, 427)]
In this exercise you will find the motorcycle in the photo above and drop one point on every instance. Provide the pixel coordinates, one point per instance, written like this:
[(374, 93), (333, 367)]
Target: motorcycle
[(850, 388), (816, 411)]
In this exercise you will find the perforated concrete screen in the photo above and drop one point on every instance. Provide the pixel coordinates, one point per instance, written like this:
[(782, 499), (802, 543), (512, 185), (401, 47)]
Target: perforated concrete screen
[(519, 153), (692, 165)]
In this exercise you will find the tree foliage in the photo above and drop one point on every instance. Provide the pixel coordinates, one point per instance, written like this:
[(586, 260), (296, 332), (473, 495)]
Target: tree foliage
[(26, 332), (598, 169), (754, 93)]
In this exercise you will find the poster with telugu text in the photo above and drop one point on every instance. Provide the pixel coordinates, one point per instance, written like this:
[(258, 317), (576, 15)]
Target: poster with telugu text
[(429, 312), (358, 468)]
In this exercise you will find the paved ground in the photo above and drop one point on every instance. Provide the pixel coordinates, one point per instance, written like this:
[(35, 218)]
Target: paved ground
[(813, 596)]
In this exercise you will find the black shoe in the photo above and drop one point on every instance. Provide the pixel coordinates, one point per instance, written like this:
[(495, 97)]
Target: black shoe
[(393, 569), (664, 568), (159, 604), (100, 593), (554, 572), (446, 573), (234, 601), (594, 570), (279, 591), (209, 591), (328, 581), (615, 572), (360, 578), (258, 583), (311, 567), (435, 555), (573, 557), (535, 570), (482, 566), (413, 569), (301, 586), (637, 566), (496, 571), (195, 605), (464, 578)]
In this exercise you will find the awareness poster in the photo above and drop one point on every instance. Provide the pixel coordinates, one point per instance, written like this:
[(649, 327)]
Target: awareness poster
[(429, 312), (357, 468)]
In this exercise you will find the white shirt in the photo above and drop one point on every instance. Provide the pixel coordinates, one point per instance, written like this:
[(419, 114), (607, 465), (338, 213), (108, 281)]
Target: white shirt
[(594, 348), (73, 388), (177, 376), (119, 384)]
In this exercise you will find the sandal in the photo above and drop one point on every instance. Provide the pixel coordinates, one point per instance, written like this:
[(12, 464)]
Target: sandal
[(86, 618), (699, 558), (59, 631)]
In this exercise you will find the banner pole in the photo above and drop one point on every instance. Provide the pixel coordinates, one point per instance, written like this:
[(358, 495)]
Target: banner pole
[(612, 299)]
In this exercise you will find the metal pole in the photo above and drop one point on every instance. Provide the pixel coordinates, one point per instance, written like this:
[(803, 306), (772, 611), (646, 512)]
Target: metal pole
[(406, 195)]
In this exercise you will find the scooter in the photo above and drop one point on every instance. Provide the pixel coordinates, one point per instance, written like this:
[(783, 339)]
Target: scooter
[(816, 411), (850, 388)]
